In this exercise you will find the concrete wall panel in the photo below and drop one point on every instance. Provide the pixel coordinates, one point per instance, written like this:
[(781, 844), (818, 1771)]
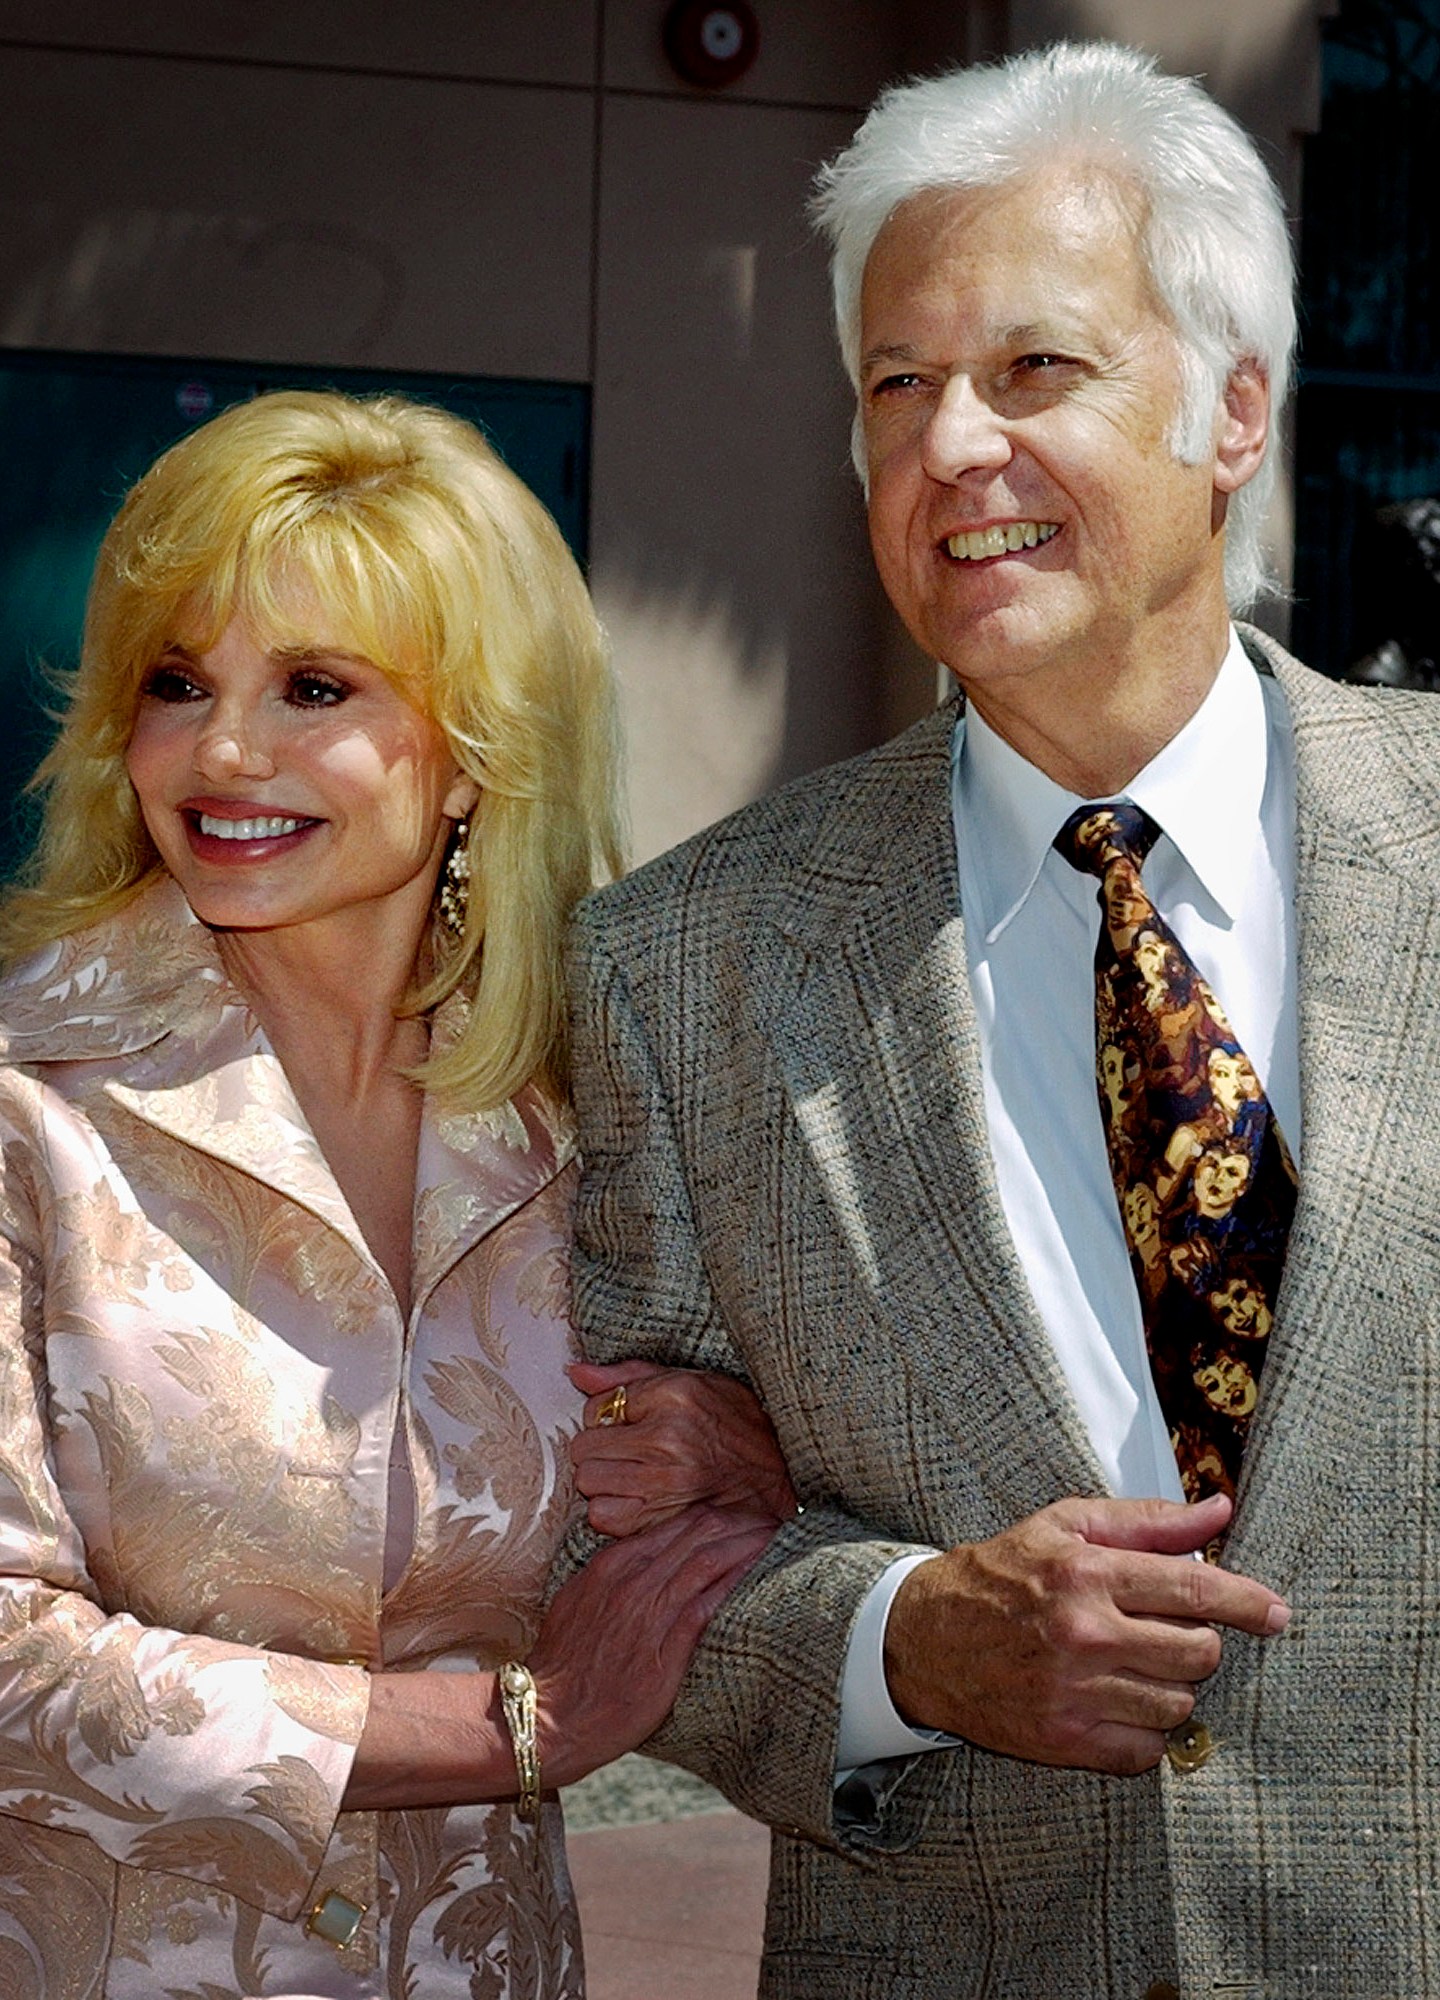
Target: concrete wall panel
[(729, 557), (519, 41), (154, 206)]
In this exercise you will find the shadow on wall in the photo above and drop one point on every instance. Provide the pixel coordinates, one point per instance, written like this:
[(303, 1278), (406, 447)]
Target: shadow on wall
[(703, 701), (145, 281)]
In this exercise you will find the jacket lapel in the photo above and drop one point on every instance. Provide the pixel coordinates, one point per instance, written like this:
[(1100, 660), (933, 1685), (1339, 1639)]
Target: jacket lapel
[(881, 1059), (1360, 1281), (145, 1000), (238, 1108), (475, 1168)]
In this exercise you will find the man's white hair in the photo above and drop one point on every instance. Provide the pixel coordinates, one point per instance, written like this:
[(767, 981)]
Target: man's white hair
[(1212, 233)]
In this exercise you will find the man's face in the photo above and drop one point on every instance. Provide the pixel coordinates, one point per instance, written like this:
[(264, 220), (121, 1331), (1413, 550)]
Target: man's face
[(1019, 382)]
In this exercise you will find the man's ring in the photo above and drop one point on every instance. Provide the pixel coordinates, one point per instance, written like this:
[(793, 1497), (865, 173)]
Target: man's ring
[(612, 1410)]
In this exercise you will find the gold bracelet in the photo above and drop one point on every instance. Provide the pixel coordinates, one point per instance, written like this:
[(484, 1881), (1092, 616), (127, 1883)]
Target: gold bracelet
[(517, 1699)]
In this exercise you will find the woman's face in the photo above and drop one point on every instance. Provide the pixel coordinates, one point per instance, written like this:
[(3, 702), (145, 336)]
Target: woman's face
[(289, 784)]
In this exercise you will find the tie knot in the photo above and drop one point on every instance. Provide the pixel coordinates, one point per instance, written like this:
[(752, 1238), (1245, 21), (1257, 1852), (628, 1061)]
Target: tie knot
[(1094, 836)]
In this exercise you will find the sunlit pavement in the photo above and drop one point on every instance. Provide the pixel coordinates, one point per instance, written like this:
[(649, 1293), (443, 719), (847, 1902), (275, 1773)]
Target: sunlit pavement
[(672, 1910)]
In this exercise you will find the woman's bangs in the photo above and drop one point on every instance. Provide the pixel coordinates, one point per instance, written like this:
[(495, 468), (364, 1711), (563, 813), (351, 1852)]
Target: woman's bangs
[(321, 585)]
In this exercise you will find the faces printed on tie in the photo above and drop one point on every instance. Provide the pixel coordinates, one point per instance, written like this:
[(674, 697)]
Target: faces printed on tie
[(1142, 1224), (1127, 907), (1190, 1141), (1227, 1385), (1233, 1081), (1219, 1182), (1117, 1074), (1241, 1309), (1202, 1469), (1152, 955)]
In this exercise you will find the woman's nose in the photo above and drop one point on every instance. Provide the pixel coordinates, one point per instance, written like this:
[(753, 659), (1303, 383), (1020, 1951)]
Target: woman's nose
[(964, 434), (234, 744)]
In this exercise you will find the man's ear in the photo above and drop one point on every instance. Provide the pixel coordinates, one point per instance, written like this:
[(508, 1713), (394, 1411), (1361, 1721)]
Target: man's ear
[(1243, 427)]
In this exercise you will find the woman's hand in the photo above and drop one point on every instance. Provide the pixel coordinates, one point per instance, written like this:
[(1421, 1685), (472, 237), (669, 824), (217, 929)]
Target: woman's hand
[(610, 1656), (608, 1661), (686, 1436)]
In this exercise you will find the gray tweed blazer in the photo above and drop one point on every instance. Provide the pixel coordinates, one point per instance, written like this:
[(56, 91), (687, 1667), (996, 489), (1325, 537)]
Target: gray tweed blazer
[(787, 1176)]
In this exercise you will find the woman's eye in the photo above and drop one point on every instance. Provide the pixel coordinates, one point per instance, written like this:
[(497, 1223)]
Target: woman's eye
[(172, 684), (312, 690)]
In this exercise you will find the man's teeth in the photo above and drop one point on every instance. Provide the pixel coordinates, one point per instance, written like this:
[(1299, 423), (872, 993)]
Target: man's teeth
[(248, 829), (982, 542)]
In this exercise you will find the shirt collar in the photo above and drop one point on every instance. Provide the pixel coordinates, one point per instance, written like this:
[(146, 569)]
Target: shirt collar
[(1215, 827)]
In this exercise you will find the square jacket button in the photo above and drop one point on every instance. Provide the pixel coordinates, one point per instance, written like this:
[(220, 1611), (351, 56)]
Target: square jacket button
[(335, 1920), (1162, 1990)]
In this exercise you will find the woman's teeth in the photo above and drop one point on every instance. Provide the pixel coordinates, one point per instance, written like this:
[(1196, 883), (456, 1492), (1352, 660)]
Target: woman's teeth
[(978, 543), (269, 828)]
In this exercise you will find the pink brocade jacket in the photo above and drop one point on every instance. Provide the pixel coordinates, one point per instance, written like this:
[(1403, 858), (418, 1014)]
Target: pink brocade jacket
[(219, 1442)]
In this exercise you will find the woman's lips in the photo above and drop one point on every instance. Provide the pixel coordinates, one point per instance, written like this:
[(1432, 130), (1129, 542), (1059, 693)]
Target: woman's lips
[(232, 836)]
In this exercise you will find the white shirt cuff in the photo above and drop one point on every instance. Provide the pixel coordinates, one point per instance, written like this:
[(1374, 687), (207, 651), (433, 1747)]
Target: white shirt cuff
[(870, 1725)]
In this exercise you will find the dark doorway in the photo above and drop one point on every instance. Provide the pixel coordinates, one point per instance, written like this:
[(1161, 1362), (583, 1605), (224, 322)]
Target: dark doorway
[(1368, 415)]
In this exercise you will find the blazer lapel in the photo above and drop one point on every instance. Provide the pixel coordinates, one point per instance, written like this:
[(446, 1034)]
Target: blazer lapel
[(1359, 1281), (475, 1168), (144, 998), (225, 1094), (881, 1059)]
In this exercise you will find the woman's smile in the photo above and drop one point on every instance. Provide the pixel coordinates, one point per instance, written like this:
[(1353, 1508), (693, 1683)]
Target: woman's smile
[(237, 833)]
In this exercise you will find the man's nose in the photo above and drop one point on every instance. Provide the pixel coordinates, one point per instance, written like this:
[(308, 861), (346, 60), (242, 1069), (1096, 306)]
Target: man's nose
[(234, 743), (964, 434)]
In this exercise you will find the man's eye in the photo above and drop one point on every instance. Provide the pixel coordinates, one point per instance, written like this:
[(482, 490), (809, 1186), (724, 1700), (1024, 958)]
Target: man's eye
[(1039, 364), (312, 690), (171, 684), (890, 385)]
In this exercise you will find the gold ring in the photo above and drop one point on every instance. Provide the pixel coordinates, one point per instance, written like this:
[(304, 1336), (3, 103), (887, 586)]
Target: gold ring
[(612, 1410)]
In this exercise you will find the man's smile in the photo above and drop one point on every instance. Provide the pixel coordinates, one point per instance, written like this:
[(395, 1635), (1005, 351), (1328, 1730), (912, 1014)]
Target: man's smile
[(979, 544)]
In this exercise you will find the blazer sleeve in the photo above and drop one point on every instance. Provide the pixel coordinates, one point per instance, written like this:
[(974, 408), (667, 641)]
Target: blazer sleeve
[(220, 1762), (758, 1714)]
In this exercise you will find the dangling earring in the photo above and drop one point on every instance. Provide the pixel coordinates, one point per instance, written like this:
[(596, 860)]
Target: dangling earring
[(455, 880)]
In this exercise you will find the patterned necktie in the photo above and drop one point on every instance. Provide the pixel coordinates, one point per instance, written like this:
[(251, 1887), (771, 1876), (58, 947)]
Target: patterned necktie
[(1204, 1179)]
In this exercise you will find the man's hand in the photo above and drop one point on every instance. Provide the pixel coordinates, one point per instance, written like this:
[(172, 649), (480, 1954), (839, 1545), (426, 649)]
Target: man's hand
[(1074, 1637)]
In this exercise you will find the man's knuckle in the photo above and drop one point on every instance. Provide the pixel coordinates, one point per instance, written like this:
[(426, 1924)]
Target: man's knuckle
[(1208, 1646), (1073, 1630)]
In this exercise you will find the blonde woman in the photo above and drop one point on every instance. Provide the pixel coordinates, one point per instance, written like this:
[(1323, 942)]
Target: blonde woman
[(284, 1404)]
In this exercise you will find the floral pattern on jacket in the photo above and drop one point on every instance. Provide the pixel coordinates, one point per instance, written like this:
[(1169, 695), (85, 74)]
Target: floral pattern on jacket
[(203, 1377)]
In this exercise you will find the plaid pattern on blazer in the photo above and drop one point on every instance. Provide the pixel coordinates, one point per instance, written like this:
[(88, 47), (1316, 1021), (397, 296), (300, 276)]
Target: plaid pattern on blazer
[(787, 1176)]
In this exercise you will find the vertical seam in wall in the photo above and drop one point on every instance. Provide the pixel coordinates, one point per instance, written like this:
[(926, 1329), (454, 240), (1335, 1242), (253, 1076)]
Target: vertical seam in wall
[(593, 332)]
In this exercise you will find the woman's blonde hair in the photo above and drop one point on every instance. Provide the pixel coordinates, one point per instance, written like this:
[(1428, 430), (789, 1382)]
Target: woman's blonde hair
[(428, 557)]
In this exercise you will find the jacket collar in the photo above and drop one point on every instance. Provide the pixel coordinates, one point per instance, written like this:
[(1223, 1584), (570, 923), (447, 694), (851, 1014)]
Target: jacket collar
[(1358, 1293), (879, 1050), (880, 1053), (140, 1009)]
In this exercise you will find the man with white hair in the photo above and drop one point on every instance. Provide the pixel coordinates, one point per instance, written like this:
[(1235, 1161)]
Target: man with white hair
[(1039, 1111)]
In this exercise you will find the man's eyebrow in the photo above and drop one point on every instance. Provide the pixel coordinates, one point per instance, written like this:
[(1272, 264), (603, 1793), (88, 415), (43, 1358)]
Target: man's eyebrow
[(900, 352)]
